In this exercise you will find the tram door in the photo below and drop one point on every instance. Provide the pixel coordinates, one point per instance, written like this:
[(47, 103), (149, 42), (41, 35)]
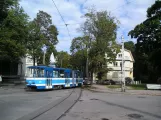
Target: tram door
[(67, 79), (49, 75), (76, 77), (73, 79)]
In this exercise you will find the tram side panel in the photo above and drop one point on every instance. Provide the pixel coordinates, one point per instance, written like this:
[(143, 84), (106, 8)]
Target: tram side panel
[(38, 83), (58, 82)]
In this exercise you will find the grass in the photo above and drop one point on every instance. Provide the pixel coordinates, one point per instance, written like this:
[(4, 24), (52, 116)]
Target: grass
[(113, 86), (132, 87), (138, 87)]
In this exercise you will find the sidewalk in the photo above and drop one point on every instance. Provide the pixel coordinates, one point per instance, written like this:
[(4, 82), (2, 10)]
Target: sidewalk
[(104, 89), (12, 85)]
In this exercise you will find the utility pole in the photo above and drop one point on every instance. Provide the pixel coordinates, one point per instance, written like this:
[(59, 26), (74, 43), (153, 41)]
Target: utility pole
[(87, 75), (123, 69), (44, 58)]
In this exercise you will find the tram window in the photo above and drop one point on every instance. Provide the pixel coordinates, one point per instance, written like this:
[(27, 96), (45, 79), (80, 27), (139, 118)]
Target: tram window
[(70, 74), (61, 74), (67, 75), (29, 72), (49, 74), (55, 74), (40, 72), (78, 74)]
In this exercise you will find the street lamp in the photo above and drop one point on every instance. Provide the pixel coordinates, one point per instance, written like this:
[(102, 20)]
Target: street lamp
[(44, 49)]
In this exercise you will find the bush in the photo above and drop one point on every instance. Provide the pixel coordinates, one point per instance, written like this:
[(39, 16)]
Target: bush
[(128, 80), (159, 80), (138, 87)]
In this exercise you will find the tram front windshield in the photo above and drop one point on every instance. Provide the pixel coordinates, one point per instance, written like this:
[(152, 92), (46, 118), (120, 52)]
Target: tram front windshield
[(35, 72)]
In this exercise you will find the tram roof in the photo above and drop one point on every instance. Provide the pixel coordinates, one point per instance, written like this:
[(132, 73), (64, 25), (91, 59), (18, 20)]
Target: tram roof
[(37, 67), (46, 67), (61, 69)]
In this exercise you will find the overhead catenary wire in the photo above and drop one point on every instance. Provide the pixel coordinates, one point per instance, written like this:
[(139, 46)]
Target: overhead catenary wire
[(62, 19), (85, 2)]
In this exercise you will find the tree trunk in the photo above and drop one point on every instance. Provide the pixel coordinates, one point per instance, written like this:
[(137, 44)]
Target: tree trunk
[(34, 60)]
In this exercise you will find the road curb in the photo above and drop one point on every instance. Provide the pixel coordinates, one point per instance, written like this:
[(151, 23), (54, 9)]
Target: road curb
[(124, 93)]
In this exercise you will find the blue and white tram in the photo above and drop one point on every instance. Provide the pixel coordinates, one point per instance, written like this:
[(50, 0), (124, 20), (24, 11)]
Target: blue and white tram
[(44, 77)]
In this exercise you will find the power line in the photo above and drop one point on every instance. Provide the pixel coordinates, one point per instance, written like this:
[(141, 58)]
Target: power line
[(70, 24), (85, 2), (62, 19), (123, 5)]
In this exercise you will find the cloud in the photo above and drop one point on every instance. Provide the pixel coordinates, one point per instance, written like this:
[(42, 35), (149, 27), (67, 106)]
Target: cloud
[(128, 12)]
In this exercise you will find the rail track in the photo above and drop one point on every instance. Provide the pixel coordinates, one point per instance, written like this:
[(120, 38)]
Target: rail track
[(56, 109)]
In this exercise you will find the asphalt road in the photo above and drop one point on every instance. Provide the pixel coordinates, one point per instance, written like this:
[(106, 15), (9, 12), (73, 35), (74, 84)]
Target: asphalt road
[(103, 106), (15, 102)]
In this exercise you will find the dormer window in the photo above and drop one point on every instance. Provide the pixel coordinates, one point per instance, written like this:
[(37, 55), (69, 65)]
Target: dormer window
[(115, 63), (120, 55)]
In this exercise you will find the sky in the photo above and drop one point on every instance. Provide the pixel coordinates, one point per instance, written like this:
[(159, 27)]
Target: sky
[(128, 12)]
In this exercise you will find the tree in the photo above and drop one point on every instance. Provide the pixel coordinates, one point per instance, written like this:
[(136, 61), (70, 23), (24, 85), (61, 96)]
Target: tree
[(41, 31), (78, 58), (5, 6), (35, 41), (13, 34), (99, 37), (78, 61), (79, 43), (63, 60), (101, 27), (129, 45), (148, 47)]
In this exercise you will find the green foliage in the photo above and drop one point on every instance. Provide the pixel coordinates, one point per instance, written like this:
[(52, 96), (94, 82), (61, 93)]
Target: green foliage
[(159, 80), (79, 53), (148, 35), (41, 31), (78, 60), (79, 43), (99, 39), (13, 34), (137, 87), (63, 59), (103, 27), (130, 46), (5, 6)]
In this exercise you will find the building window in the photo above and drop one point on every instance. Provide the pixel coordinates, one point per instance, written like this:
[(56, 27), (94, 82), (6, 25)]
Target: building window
[(121, 64), (120, 55), (115, 63)]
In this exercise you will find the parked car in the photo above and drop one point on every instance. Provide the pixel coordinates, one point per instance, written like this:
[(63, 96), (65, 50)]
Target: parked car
[(108, 82), (98, 82), (86, 82), (128, 80), (112, 82)]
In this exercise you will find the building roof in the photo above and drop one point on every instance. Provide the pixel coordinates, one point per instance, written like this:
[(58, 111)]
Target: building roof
[(130, 54)]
